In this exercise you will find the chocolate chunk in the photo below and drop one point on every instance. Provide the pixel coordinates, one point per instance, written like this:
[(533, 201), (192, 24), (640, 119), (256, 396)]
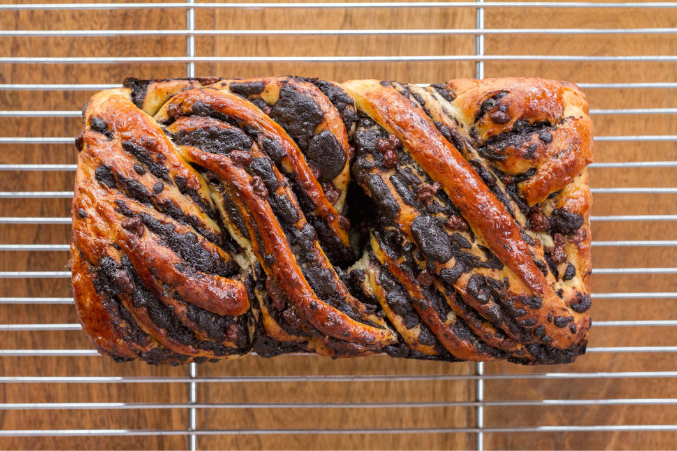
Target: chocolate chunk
[(534, 302), (582, 303), (492, 261), (273, 149), (431, 238), (454, 137), (327, 155), (263, 169), (461, 241), (104, 174), (403, 186), (324, 284), (495, 315), (489, 104), (137, 191), (564, 222), (190, 248), (398, 299), (234, 215), (427, 337), (382, 196), (500, 117), (542, 266), (539, 331), (519, 312), (530, 153), (158, 187), (99, 125), (442, 90), (247, 89), (525, 175), (561, 321), (478, 289), (529, 322), (283, 209), (545, 136), (82, 213), (298, 114), (80, 142), (139, 169), (572, 328), (569, 273), (204, 110)]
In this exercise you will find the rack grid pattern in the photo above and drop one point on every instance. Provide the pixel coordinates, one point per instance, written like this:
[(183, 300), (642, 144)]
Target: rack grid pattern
[(477, 375)]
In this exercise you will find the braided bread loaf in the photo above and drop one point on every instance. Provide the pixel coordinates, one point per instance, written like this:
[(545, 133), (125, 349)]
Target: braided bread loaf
[(213, 218)]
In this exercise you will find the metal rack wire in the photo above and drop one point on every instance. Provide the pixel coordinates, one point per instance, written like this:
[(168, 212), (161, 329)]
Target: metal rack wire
[(479, 377)]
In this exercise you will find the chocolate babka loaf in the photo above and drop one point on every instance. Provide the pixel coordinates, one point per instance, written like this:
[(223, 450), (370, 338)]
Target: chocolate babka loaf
[(214, 218)]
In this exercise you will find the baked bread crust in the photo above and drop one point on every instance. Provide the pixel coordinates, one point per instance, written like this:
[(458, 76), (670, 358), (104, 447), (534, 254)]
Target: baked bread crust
[(210, 219)]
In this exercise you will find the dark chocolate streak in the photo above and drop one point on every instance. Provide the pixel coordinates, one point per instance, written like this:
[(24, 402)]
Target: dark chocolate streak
[(298, 114), (247, 89), (163, 317), (340, 99), (215, 139), (133, 189)]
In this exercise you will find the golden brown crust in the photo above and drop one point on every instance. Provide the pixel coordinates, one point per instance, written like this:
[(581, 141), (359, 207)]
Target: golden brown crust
[(208, 219), (150, 95), (493, 107)]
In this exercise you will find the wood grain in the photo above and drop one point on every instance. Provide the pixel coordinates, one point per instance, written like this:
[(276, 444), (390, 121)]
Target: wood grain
[(259, 392)]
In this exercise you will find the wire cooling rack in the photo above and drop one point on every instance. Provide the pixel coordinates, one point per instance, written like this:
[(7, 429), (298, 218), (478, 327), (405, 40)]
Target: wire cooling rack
[(485, 412)]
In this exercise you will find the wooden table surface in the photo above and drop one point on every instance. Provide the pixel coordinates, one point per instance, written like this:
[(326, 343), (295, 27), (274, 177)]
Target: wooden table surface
[(357, 391)]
